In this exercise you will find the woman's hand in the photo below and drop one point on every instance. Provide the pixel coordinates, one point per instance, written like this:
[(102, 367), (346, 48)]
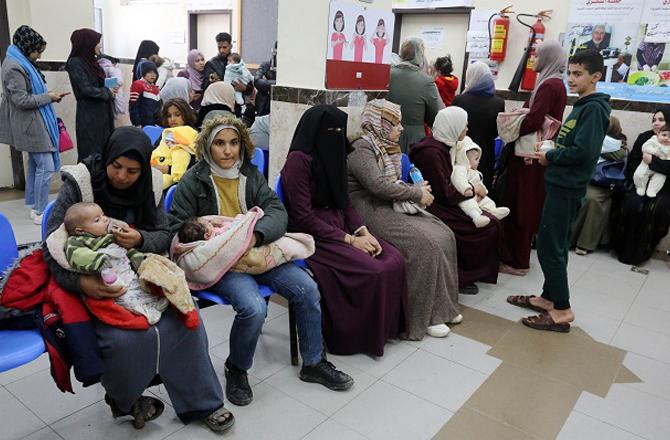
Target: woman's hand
[(368, 244), (646, 158), (127, 237), (93, 287), (427, 197)]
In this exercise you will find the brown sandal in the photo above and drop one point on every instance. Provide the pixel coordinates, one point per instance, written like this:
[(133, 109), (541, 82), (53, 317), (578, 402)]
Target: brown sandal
[(545, 322), (523, 301)]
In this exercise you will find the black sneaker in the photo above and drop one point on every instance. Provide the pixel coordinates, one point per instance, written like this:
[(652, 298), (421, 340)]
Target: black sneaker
[(238, 391), (471, 289), (327, 375)]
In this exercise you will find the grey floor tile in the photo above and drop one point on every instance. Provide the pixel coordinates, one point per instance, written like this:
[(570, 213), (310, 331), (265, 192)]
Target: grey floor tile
[(649, 318), (331, 430), (96, 422), (394, 353), (643, 341), (272, 415), (17, 420), (385, 412), (654, 375), (44, 434), (436, 380), (463, 351), (317, 396), (582, 427), (39, 393), (631, 410), (39, 364)]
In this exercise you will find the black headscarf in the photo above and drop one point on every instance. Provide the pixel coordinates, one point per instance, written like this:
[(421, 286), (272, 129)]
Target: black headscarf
[(635, 155), (28, 40), (83, 46), (135, 205), (146, 49), (322, 133)]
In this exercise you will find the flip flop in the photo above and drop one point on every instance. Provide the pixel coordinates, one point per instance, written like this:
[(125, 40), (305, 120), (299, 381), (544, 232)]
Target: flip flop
[(545, 322), (145, 409), (523, 301), (214, 423)]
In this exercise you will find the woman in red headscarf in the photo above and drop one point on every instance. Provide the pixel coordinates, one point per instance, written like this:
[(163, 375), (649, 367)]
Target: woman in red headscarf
[(95, 102)]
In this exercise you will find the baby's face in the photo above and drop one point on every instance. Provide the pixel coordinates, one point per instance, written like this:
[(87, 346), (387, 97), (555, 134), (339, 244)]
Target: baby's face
[(94, 222), (473, 157), (209, 230), (664, 138)]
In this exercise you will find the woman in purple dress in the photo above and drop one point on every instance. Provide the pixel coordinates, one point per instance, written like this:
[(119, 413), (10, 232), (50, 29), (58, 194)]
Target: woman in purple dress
[(362, 280)]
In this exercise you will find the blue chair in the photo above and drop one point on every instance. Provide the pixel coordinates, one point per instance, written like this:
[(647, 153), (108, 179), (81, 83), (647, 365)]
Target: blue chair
[(265, 292), (497, 148), (153, 132), (260, 162), (404, 167), (45, 217), (17, 347), (280, 194)]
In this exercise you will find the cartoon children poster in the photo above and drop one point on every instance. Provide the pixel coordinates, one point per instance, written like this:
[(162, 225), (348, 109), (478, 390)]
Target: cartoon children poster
[(360, 34)]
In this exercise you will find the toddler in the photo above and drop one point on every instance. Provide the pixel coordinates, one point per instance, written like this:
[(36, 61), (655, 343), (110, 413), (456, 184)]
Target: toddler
[(145, 104), (91, 248), (646, 180), (236, 70), (475, 206)]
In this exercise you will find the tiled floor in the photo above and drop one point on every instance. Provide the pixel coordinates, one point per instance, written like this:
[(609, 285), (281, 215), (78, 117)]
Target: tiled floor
[(415, 390)]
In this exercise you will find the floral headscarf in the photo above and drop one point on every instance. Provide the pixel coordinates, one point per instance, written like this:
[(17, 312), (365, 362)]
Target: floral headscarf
[(379, 118)]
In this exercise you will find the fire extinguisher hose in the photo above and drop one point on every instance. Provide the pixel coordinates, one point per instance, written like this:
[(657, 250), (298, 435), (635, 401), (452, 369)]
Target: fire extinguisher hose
[(518, 75)]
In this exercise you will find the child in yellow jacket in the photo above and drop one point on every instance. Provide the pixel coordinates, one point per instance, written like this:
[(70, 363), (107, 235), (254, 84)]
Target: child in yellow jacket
[(173, 155)]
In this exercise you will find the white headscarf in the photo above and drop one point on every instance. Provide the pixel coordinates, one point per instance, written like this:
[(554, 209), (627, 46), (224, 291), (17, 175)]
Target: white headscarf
[(230, 173), (412, 52), (220, 92), (550, 63), (176, 88), (478, 79), (449, 124)]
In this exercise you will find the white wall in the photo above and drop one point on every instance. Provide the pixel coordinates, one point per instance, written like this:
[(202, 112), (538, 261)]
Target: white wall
[(302, 33), (124, 27), (518, 34)]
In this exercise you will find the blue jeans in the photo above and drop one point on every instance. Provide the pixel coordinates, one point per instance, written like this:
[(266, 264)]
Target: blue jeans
[(40, 170), (289, 281)]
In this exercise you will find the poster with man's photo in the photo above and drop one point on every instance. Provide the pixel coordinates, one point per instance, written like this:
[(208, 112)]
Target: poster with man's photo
[(359, 33), (628, 35)]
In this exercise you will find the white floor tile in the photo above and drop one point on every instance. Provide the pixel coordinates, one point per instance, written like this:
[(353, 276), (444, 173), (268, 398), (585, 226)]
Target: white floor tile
[(271, 416), (649, 318), (654, 294), (218, 322), (655, 375), (96, 422), (463, 351), (331, 430), (17, 420), (619, 285), (600, 328), (582, 427), (642, 341), (39, 393), (630, 410), (385, 412), (39, 364), (394, 353), (599, 303), (435, 379), (317, 396)]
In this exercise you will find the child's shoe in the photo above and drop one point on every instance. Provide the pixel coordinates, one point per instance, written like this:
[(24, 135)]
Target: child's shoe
[(640, 192), (438, 331), (481, 221), (650, 194), (500, 212)]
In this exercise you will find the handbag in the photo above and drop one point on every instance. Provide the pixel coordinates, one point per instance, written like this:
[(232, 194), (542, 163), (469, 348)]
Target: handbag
[(64, 140), (509, 125), (610, 174)]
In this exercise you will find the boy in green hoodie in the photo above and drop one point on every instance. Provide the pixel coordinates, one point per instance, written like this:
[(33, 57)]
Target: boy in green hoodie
[(570, 167)]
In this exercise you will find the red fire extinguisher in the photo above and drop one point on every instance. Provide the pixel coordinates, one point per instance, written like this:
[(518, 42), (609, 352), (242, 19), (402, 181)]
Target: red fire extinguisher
[(535, 38), (498, 34)]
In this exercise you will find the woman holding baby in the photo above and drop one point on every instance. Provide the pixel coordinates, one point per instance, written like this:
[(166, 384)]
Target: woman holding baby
[(224, 182), (477, 228), (122, 183)]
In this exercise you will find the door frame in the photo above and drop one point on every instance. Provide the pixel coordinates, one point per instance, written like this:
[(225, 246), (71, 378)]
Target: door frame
[(193, 24)]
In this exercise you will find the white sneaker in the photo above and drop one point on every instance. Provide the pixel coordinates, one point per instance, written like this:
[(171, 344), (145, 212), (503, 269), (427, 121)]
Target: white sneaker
[(37, 219), (457, 320), (33, 214), (438, 331)]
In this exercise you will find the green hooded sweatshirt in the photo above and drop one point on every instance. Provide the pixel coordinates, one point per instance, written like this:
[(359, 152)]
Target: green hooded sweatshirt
[(578, 146)]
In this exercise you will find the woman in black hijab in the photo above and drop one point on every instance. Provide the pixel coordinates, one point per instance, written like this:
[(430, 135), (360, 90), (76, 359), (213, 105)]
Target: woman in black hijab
[(121, 181), (362, 280), (95, 102), (147, 49)]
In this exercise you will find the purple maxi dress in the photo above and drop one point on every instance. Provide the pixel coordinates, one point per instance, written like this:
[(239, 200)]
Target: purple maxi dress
[(363, 298)]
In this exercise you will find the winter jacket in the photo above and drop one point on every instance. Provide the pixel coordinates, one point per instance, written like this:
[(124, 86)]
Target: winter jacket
[(195, 197), (176, 152), (21, 124), (578, 146), (145, 104), (264, 78)]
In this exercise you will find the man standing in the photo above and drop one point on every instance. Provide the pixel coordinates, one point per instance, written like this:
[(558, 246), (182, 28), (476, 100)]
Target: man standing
[(215, 68)]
